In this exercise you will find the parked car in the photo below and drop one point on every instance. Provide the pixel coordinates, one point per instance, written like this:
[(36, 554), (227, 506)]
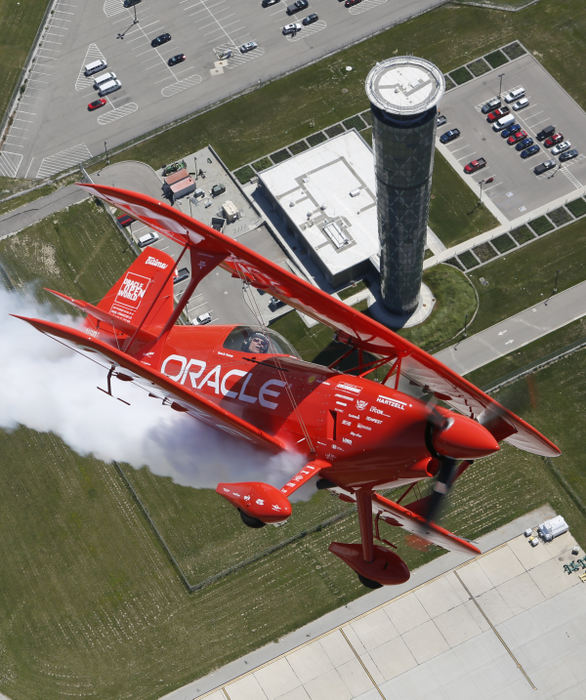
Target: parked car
[(203, 319), (531, 151), (449, 135), (147, 239), (96, 104), (475, 165), (268, 3), (493, 103), (350, 3), (515, 94), (440, 120), (130, 3), (545, 132), (521, 104), (510, 130), (517, 136), (553, 139), (497, 114), (161, 39), (560, 148), (218, 190), (310, 19), (568, 155), (181, 274), (125, 219), (178, 58), (543, 167), (297, 6), (292, 28), (524, 143), (248, 46)]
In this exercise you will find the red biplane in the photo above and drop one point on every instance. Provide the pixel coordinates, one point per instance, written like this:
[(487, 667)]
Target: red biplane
[(356, 436)]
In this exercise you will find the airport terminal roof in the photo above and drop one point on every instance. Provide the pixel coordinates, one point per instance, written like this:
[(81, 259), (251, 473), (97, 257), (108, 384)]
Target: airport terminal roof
[(328, 192)]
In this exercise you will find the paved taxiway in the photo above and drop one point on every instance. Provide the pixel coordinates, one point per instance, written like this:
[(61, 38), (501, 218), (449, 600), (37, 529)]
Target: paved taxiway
[(510, 623)]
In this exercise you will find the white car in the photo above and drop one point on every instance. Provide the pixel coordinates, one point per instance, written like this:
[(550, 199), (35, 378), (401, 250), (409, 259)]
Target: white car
[(520, 104), (202, 319), (249, 46), (292, 28), (515, 94), (560, 148)]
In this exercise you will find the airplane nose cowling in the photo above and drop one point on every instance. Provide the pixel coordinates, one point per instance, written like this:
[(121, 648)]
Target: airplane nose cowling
[(464, 438)]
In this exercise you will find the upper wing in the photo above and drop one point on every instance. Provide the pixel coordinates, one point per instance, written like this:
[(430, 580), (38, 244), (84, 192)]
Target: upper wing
[(360, 330)]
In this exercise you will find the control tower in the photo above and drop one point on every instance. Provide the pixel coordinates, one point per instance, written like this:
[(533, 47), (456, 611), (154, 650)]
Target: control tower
[(404, 92)]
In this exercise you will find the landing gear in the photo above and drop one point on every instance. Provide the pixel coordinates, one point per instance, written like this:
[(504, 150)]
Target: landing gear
[(369, 583), (249, 521)]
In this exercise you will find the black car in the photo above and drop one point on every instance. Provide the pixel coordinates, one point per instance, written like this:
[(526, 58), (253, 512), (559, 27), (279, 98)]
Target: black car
[(178, 58), (182, 274), (161, 39), (297, 6), (268, 3), (543, 167), (130, 3), (310, 19), (545, 132), (568, 155), (449, 135)]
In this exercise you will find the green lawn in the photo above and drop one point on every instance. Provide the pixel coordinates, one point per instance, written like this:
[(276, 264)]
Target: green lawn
[(527, 276)]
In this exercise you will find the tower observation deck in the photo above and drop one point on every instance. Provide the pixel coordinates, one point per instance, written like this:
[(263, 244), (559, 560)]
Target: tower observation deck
[(403, 92)]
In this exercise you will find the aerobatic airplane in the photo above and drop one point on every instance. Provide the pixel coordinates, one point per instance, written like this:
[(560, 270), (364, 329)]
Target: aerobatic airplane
[(356, 436)]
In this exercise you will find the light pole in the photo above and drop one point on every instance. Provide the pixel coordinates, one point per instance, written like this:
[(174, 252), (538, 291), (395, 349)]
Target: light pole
[(135, 21), (501, 76), (106, 152)]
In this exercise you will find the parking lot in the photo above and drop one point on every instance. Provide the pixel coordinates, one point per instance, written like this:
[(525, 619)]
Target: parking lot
[(52, 129), (515, 189)]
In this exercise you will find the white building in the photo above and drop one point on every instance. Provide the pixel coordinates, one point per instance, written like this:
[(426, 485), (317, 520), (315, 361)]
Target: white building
[(327, 196)]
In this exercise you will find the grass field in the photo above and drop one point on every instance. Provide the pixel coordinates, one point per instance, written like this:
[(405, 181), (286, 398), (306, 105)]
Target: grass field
[(19, 22)]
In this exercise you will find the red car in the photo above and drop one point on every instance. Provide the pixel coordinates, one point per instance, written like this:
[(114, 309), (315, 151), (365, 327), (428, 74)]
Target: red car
[(350, 3), (516, 137), (475, 165), (552, 140), (497, 114), (96, 104)]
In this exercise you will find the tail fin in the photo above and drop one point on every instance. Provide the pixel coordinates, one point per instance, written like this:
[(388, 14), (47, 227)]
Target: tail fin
[(138, 305)]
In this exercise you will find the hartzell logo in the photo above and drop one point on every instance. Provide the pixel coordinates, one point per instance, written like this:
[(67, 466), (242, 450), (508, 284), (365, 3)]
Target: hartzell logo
[(392, 402)]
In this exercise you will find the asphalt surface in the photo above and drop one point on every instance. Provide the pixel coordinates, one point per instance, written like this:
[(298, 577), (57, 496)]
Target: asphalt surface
[(52, 128)]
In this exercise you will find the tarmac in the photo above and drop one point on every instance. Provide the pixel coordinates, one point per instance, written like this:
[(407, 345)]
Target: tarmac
[(509, 623)]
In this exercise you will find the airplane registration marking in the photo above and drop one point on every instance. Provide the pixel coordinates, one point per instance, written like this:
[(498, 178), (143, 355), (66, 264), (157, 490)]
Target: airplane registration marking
[(193, 370)]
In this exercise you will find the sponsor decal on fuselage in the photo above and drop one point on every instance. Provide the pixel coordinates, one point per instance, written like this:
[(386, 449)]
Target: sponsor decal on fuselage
[(195, 374), (395, 403)]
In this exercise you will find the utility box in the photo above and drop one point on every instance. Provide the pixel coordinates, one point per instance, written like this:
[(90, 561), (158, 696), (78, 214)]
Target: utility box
[(230, 211)]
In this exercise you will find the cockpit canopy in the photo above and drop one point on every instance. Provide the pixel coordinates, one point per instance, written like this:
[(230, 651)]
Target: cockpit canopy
[(258, 340)]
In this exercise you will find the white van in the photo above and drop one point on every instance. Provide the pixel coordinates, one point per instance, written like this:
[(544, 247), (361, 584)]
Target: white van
[(101, 79), (94, 67), (514, 94), (147, 239), (110, 86), (202, 319), (503, 122)]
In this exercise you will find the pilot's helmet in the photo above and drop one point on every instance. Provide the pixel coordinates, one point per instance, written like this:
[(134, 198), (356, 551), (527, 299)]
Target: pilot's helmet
[(262, 341)]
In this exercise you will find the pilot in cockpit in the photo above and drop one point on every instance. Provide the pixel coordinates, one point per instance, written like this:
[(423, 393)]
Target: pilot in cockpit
[(257, 342)]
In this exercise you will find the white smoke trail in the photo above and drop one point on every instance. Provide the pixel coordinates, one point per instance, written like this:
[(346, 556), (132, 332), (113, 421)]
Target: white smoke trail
[(49, 388)]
